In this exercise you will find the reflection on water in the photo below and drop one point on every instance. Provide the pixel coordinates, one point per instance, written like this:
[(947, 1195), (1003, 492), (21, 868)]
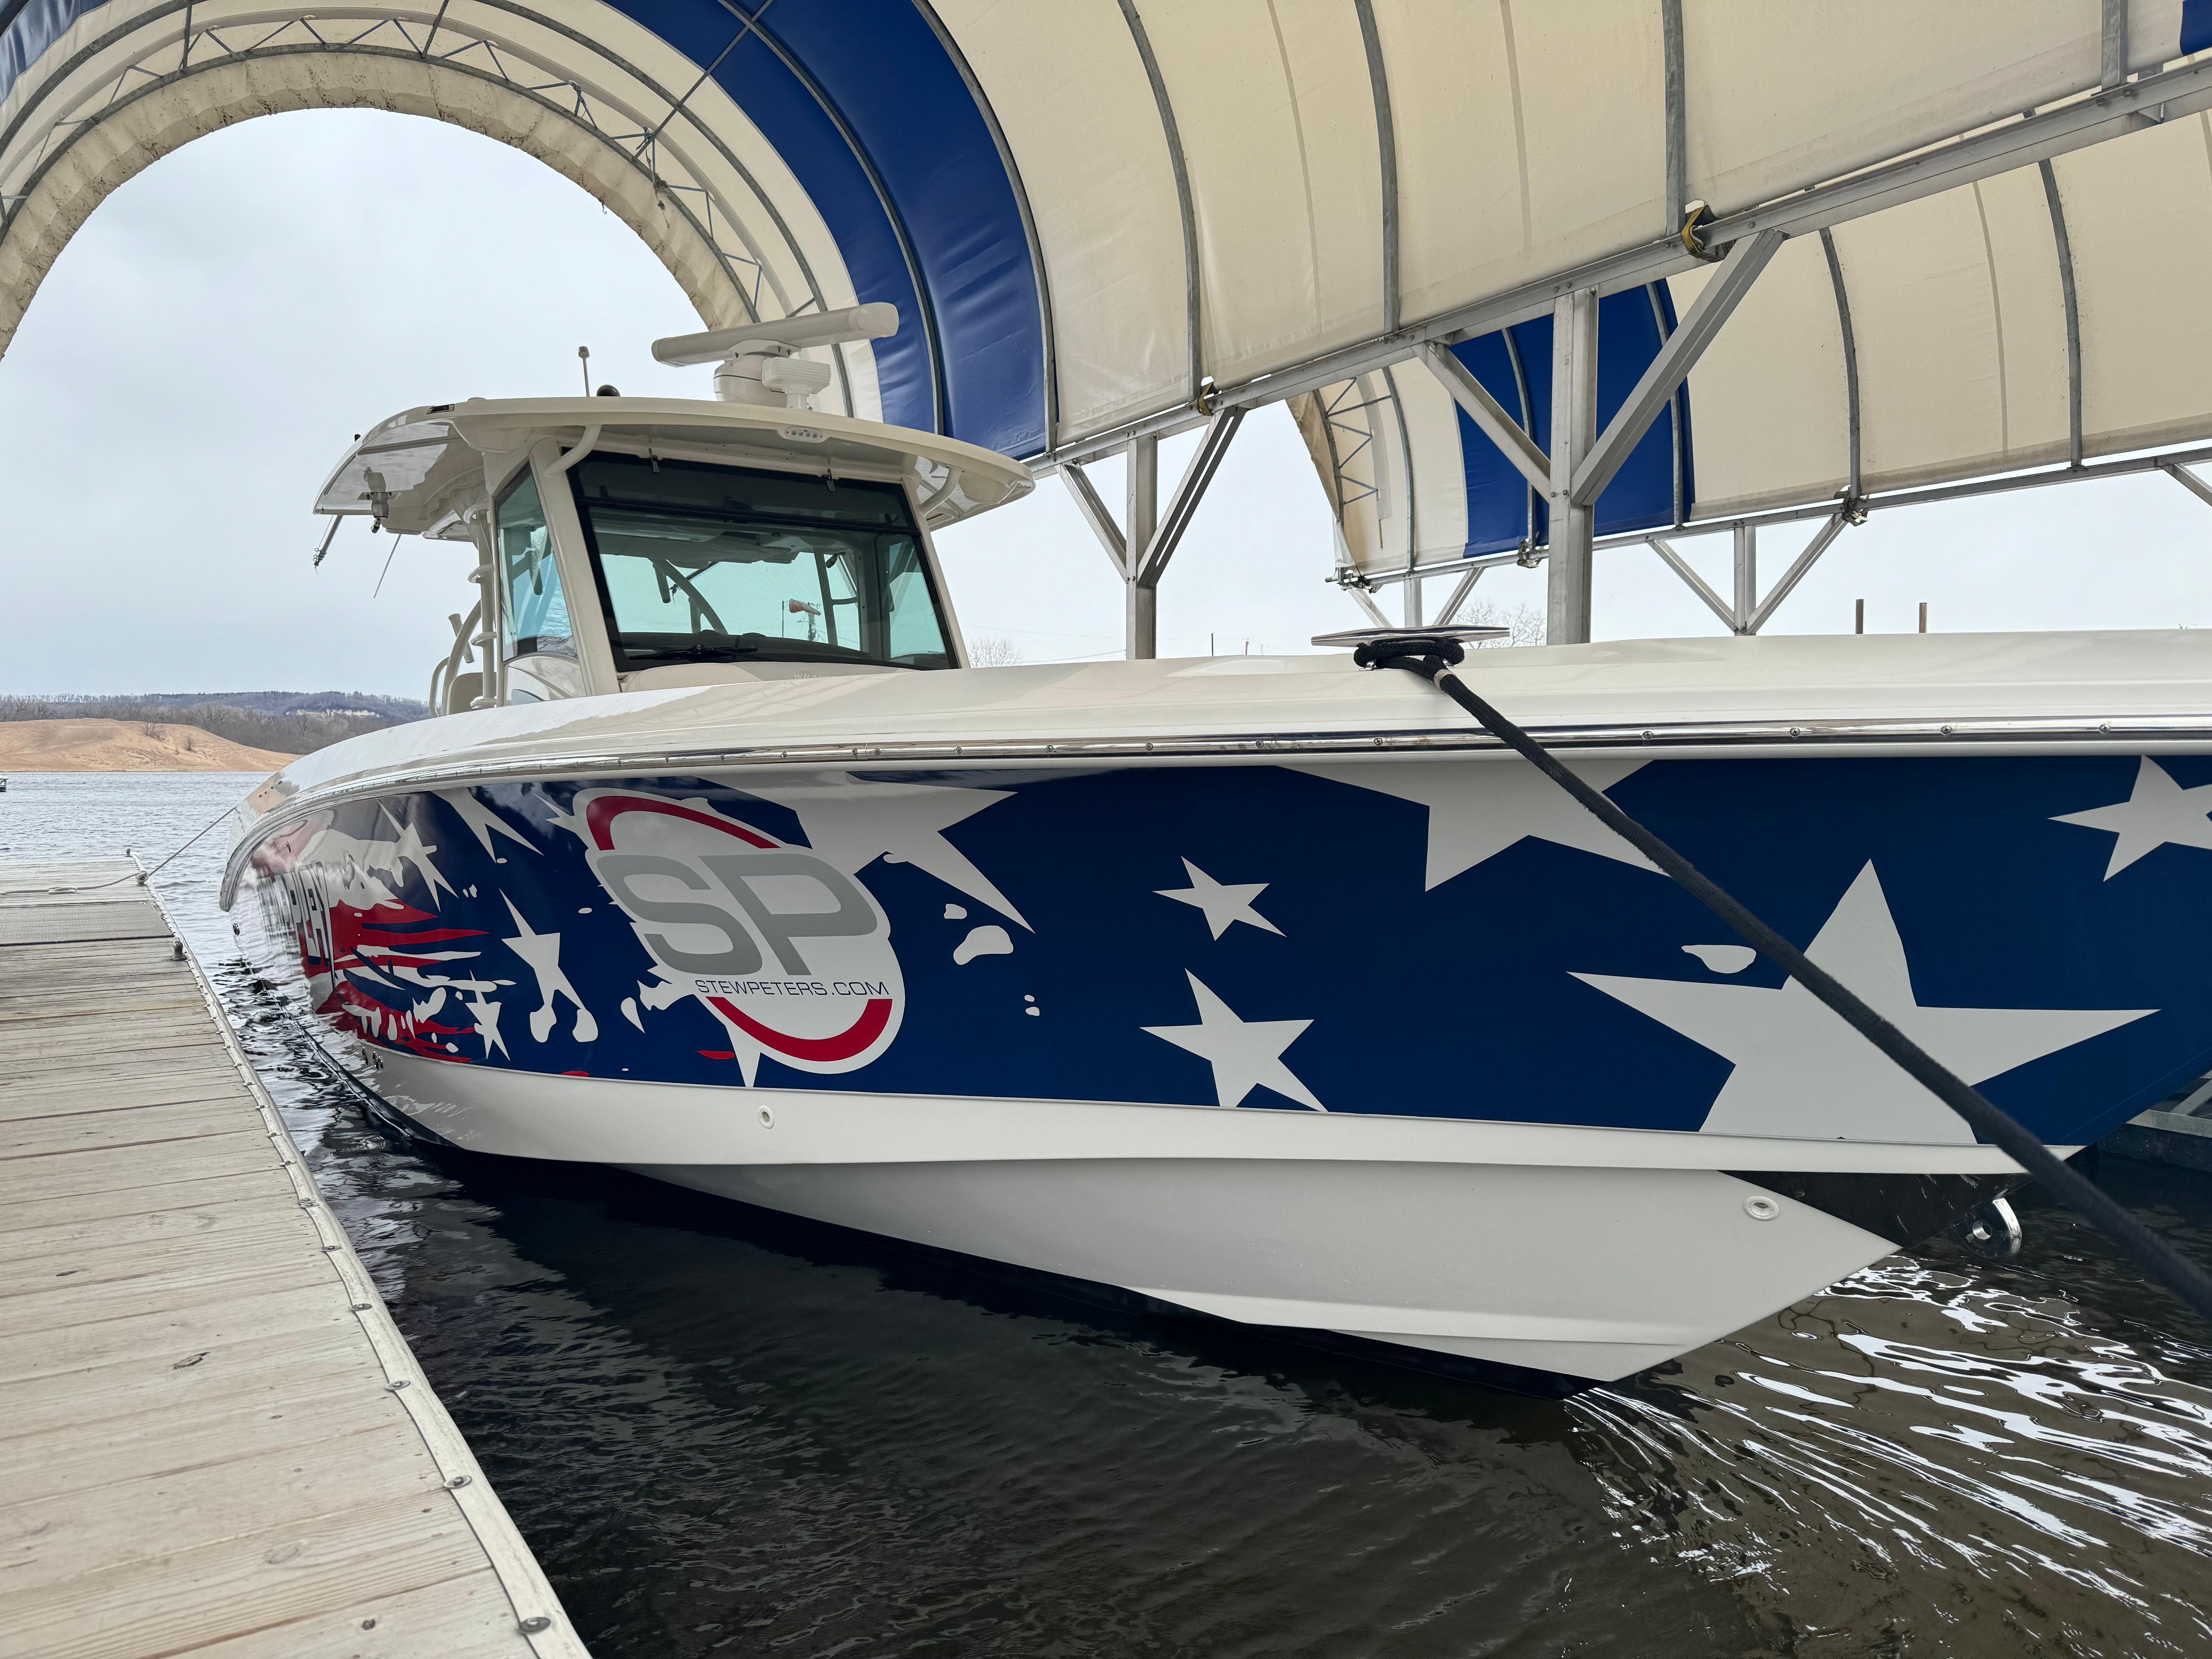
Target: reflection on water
[(1939, 1456), (727, 1433)]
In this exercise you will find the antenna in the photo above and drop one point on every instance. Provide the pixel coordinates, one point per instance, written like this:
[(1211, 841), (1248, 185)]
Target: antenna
[(758, 365), (583, 356)]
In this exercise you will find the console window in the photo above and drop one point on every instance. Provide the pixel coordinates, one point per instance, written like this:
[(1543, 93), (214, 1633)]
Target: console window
[(533, 616), (701, 563)]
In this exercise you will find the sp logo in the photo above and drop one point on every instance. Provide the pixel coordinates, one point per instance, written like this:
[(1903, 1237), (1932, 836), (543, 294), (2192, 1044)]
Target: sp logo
[(791, 954)]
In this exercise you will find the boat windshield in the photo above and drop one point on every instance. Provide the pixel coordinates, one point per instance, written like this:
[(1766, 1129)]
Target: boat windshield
[(700, 563)]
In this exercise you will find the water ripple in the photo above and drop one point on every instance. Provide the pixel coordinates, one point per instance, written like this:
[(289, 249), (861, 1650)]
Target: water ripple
[(1934, 1450)]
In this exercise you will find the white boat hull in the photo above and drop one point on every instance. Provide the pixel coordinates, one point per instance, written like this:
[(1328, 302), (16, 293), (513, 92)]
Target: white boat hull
[(1274, 993), (1581, 1255)]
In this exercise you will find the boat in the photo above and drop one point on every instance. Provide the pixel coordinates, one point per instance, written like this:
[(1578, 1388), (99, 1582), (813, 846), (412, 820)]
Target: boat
[(1266, 988)]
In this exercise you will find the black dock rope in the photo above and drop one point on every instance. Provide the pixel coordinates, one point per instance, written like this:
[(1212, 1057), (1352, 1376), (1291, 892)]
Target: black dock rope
[(1433, 658)]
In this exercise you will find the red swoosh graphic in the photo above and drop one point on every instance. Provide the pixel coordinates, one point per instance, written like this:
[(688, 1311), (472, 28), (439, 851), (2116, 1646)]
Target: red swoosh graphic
[(847, 1043), (599, 816)]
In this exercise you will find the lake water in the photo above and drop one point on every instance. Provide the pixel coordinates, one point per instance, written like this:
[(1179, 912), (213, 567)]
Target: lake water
[(729, 1434)]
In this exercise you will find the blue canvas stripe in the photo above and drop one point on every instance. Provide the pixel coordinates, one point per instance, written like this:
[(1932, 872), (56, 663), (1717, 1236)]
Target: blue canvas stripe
[(863, 94), (1642, 494), (908, 105), (1687, 453), (1497, 494), (27, 28), (793, 120), (2196, 26)]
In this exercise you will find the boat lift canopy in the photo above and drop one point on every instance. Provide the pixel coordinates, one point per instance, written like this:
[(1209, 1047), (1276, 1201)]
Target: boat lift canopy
[(1959, 240)]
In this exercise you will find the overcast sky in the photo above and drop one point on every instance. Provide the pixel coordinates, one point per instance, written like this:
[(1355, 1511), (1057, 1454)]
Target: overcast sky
[(205, 349)]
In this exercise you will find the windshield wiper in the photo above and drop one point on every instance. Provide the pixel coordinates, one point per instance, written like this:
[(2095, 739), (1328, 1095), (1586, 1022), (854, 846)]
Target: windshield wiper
[(723, 651), (731, 649)]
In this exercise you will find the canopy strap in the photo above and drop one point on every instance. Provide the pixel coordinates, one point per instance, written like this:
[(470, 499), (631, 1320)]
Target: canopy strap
[(1433, 658)]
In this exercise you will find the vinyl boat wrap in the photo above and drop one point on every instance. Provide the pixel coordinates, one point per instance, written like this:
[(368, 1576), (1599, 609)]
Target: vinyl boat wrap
[(1265, 988)]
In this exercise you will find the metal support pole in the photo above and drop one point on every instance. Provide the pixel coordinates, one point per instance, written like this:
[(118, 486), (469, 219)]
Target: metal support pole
[(1140, 621), (1140, 616), (1822, 538), (1697, 583), (1412, 603), (2190, 482), (1450, 614), (1365, 601), (1574, 430), (2065, 247), (1678, 125), (1677, 356), (1746, 577)]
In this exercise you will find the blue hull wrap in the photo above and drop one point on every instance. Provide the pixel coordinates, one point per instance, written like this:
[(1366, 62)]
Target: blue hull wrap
[(1437, 939)]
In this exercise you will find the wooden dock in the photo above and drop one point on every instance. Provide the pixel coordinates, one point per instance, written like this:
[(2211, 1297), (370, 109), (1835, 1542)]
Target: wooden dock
[(212, 1439)]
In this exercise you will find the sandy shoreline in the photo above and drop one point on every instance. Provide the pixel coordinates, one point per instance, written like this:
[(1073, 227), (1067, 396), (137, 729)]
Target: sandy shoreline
[(125, 746)]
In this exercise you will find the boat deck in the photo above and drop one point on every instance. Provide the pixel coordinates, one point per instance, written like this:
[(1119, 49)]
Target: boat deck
[(212, 1439)]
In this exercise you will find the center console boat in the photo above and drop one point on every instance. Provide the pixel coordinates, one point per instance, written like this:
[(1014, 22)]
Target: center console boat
[(1264, 988)]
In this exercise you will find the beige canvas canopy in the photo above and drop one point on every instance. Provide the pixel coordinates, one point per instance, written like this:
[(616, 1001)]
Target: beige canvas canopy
[(1965, 238)]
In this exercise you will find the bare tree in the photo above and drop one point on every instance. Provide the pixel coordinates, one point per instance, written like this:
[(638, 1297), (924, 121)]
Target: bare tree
[(993, 651), (1526, 622)]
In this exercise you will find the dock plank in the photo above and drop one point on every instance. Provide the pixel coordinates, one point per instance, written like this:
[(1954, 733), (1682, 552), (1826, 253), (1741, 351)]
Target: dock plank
[(112, 1054), (129, 1394), (142, 1237), (190, 1443), (77, 1132), (238, 1584), (63, 924), (460, 1619), (70, 1174), (175, 1190), (60, 1099), (197, 1281), (212, 1439), (91, 1530)]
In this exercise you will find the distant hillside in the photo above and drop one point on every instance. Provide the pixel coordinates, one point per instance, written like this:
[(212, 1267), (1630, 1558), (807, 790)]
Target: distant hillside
[(278, 722), (390, 710)]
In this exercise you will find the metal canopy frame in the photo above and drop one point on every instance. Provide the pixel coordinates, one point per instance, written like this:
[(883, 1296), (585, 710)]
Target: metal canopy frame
[(1576, 469), (162, 52), (1742, 617), (1569, 470), (1582, 460), (2089, 119), (1140, 546)]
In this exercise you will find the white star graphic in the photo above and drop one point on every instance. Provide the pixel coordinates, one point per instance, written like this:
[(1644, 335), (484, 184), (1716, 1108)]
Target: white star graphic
[(1225, 903), (851, 823), (484, 1010), (410, 848), (2160, 812), (1478, 808), (1801, 1073), (1245, 1054), (542, 952)]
